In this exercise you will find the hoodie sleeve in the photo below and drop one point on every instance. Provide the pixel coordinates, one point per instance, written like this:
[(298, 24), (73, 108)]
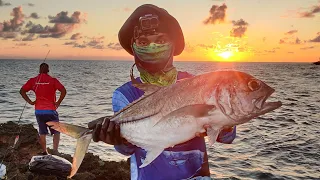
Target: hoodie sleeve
[(119, 101), (226, 136)]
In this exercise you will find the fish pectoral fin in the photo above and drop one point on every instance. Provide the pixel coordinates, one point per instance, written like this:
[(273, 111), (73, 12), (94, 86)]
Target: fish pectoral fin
[(194, 110), (68, 129), (81, 150), (213, 134), (152, 154), (147, 88)]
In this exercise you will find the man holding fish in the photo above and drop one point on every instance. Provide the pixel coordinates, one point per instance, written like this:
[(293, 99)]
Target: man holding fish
[(162, 117), (153, 37)]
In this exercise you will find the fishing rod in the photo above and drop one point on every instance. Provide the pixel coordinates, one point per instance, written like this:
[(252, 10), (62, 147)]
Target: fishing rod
[(18, 136)]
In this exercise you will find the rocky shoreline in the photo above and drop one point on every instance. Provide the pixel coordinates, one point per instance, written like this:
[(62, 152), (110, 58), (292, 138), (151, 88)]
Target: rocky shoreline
[(17, 158)]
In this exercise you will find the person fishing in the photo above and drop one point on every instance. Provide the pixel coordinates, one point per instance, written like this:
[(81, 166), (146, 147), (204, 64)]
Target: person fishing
[(45, 87), (153, 37)]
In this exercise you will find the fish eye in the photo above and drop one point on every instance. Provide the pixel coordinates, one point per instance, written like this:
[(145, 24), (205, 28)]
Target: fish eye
[(254, 85)]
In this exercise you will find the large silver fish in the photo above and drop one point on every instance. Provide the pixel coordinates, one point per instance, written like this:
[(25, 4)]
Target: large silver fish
[(166, 116)]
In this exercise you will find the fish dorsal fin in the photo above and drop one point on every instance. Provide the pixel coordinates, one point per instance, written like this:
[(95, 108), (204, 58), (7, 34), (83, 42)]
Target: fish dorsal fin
[(146, 88), (114, 117)]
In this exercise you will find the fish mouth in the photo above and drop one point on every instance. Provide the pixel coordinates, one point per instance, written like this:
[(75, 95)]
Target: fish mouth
[(262, 106)]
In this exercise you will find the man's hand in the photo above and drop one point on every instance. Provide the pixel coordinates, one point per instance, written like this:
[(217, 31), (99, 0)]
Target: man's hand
[(106, 131), (62, 95), (203, 134), (225, 129), (26, 98)]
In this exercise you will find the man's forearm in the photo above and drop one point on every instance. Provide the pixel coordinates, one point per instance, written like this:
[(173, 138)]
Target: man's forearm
[(62, 95), (25, 96)]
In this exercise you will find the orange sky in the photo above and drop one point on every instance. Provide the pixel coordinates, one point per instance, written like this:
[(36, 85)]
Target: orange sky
[(248, 30)]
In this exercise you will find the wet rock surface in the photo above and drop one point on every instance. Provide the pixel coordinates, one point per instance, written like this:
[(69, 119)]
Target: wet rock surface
[(17, 158)]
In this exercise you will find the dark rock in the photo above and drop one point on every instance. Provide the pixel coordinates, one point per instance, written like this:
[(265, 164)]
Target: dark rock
[(16, 159)]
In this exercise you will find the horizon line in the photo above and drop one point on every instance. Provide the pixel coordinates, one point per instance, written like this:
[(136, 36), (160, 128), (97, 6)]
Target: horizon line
[(196, 61)]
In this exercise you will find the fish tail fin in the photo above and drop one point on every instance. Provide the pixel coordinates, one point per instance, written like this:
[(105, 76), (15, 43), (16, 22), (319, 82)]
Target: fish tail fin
[(81, 150), (83, 141), (68, 129)]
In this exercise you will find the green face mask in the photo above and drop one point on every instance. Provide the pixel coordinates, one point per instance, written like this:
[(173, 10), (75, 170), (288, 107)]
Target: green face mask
[(153, 52)]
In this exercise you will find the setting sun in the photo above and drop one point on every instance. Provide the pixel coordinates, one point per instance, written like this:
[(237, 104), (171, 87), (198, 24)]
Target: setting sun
[(226, 54)]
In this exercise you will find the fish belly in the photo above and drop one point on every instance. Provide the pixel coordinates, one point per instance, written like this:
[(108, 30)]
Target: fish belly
[(150, 133)]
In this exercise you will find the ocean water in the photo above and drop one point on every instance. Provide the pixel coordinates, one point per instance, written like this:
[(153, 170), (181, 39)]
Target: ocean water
[(283, 144)]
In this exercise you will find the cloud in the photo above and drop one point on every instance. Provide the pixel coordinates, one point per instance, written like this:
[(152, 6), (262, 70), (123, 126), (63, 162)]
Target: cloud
[(9, 29), (15, 23), (2, 3), (189, 48), (57, 31), (34, 15), (22, 44), (240, 22), (70, 43), (62, 25), (298, 41), (291, 40), (63, 17), (8, 35), (205, 46), (95, 43), (265, 52), (79, 45), (30, 37), (316, 39), (306, 48), (311, 13), (238, 31), (270, 51), (76, 36), (239, 28), (36, 28), (99, 46), (29, 24), (217, 14), (114, 46), (291, 32)]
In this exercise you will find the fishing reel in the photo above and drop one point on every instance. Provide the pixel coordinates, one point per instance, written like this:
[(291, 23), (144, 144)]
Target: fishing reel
[(147, 26)]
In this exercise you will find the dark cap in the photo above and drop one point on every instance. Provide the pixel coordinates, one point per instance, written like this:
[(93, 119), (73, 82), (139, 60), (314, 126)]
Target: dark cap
[(166, 21)]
